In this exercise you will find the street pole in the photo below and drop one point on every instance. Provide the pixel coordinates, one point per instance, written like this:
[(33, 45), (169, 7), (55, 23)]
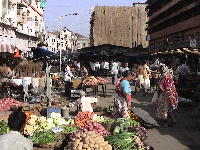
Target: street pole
[(61, 17), (60, 60)]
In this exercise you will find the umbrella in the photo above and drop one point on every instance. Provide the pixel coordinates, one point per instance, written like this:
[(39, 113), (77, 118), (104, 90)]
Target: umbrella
[(145, 116)]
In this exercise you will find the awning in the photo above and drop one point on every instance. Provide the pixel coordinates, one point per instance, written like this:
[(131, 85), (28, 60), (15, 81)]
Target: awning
[(7, 48), (44, 53)]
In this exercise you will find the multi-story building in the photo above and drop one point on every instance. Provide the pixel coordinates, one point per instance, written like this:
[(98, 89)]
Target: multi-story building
[(68, 40), (120, 26), (82, 41), (53, 41), (173, 24), (22, 21)]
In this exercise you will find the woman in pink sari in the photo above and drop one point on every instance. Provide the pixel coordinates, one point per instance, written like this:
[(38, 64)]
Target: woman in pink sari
[(167, 95)]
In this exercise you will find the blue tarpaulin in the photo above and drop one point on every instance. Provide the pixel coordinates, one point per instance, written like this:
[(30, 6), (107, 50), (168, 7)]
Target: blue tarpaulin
[(42, 52)]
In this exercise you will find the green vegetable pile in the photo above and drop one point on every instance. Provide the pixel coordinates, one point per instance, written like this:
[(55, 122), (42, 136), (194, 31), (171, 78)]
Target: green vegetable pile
[(4, 127), (43, 137), (123, 125), (122, 141), (69, 129), (129, 121)]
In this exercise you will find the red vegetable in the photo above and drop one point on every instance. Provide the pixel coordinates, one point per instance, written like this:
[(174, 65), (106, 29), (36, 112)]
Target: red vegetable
[(7, 103)]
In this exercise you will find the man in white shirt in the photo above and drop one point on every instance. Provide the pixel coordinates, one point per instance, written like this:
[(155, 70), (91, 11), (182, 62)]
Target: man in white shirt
[(124, 68), (68, 79), (114, 71), (106, 68), (14, 140), (97, 68), (92, 66)]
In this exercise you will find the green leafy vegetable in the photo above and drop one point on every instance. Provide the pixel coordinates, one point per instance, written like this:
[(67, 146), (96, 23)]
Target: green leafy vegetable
[(4, 127), (43, 137)]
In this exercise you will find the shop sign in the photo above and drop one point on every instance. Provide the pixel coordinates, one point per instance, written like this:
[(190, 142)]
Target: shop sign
[(193, 43)]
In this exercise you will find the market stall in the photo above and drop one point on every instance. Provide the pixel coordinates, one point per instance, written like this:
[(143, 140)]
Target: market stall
[(86, 131)]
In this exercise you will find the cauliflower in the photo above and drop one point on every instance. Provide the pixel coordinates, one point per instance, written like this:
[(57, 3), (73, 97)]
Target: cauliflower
[(98, 118), (50, 124)]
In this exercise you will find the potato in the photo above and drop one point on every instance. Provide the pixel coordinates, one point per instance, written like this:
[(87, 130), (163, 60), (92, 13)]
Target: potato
[(91, 145), (96, 146), (79, 147), (85, 146), (78, 135), (109, 147)]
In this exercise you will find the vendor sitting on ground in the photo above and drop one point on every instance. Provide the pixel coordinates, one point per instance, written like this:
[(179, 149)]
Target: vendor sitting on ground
[(85, 103), (122, 101), (14, 140)]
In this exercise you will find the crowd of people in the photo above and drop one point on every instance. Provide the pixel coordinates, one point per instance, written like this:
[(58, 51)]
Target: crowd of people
[(143, 75), (156, 77)]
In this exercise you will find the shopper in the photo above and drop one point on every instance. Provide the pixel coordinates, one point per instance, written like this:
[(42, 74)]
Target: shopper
[(167, 99), (122, 101), (106, 68), (68, 79), (114, 71), (14, 140), (183, 72), (146, 75), (97, 68)]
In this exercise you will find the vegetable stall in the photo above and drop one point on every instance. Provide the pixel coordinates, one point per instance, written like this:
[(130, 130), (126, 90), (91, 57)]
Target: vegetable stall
[(86, 131)]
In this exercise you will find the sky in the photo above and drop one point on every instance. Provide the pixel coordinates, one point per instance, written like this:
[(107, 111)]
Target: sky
[(81, 22)]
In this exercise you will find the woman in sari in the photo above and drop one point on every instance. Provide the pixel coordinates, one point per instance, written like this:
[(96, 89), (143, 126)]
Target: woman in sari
[(167, 96), (122, 101)]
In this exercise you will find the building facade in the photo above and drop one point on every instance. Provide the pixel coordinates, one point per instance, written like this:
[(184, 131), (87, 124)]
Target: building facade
[(82, 41), (173, 24), (53, 41), (21, 23), (68, 40), (120, 26)]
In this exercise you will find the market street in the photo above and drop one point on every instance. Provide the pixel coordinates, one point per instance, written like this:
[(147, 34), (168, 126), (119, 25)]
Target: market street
[(99, 75), (184, 135)]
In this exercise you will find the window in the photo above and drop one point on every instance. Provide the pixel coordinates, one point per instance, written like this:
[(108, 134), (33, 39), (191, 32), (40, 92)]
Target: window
[(84, 44), (18, 12), (4, 7)]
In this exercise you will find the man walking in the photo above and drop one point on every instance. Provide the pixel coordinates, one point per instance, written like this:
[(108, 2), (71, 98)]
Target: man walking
[(114, 71)]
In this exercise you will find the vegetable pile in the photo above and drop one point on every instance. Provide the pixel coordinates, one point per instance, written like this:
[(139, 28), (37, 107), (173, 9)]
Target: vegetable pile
[(43, 137), (82, 118), (97, 118), (102, 80), (88, 141), (96, 128), (121, 141), (7, 103), (89, 81), (4, 127), (36, 123)]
